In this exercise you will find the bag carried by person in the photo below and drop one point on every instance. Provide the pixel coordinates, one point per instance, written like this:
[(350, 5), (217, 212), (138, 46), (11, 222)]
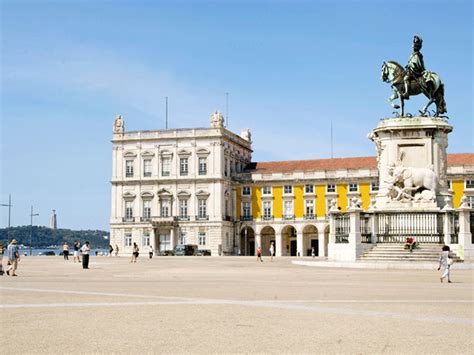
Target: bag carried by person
[(450, 261)]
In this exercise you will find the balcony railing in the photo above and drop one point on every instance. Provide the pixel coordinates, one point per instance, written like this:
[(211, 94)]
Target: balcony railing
[(246, 218), (309, 216), (145, 219), (288, 216), (128, 219), (267, 218), (202, 218), (184, 218)]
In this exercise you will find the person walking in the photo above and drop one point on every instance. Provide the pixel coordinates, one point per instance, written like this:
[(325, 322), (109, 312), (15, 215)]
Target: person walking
[(272, 251), (85, 255), (76, 247), (150, 251), (66, 251), (13, 258), (135, 252), (445, 262), (259, 254), (116, 249), (111, 249), (313, 252), (2, 250)]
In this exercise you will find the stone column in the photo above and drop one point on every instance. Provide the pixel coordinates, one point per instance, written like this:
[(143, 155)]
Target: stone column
[(172, 238), (321, 242), (258, 242), (299, 243), (464, 236), (278, 244), (354, 226)]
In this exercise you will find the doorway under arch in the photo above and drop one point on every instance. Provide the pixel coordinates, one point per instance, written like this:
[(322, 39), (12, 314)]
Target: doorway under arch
[(267, 236), (247, 241), (288, 237), (310, 240)]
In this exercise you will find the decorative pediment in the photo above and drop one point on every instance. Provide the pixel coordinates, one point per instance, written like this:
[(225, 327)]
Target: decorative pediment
[(147, 195), (202, 193), (184, 153), (128, 195), (202, 152), (164, 193), (148, 154), (129, 154), (166, 153), (184, 194)]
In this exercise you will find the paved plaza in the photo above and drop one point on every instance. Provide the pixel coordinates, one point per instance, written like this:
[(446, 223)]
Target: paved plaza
[(231, 305)]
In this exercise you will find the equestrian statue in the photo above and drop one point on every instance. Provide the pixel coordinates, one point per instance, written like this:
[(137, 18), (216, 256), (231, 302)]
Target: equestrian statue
[(412, 80)]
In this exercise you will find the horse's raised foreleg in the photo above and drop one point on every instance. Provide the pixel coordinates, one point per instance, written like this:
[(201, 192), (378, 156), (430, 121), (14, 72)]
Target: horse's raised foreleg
[(393, 97)]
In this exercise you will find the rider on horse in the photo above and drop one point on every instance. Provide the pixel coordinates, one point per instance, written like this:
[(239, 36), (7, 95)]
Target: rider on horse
[(415, 66)]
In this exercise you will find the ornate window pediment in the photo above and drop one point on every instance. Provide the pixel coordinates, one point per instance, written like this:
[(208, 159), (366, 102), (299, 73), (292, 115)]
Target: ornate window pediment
[(128, 195), (184, 194), (166, 153), (129, 154), (202, 193), (184, 153), (147, 195), (148, 154), (203, 152), (163, 193)]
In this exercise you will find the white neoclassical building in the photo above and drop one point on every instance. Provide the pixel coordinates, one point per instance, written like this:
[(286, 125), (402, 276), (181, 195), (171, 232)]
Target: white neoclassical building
[(174, 186)]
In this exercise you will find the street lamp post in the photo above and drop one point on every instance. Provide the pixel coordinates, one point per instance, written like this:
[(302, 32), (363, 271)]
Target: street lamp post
[(31, 227), (9, 213)]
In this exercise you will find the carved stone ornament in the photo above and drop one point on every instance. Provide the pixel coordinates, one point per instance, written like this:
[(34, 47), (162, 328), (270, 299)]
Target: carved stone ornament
[(247, 135), (378, 145), (119, 125), (217, 120), (464, 202), (411, 184)]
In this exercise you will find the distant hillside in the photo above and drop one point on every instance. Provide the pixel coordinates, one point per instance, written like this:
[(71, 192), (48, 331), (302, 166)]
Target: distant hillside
[(45, 237)]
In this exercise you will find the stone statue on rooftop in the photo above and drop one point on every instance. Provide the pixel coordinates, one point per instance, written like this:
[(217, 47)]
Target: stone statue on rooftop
[(118, 125), (413, 80), (217, 119)]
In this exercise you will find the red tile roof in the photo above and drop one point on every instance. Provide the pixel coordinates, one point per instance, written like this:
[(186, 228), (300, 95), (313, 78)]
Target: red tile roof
[(340, 163)]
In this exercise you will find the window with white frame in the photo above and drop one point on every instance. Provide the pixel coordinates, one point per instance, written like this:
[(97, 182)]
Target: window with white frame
[(267, 209), (288, 189), (470, 201), (288, 208), (202, 166), (309, 207), (146, 208), (246, 209), (146, 239), (374, 186), (128, 239), (182, 239), (183, 166), (353, 187), (146, 167), (183, 208), (128, 210), (165, 208), (267, 190), (128, 168), (202, 208), (309, 189), (331, 188), (202, 238), (165, 166), (246, 190), (469, 184)]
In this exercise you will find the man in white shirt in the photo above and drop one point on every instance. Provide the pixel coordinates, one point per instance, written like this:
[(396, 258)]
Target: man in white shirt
[(85, 255)]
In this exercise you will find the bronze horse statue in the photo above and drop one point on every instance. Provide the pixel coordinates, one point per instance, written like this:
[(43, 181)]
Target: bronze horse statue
[(429, 84)]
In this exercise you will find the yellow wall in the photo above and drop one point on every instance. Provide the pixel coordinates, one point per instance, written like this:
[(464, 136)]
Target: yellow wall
[(238, 202), (277, 201), (458, 189), (256, 202), (364, 189), (299, 201), (321, 200), (342, 196)]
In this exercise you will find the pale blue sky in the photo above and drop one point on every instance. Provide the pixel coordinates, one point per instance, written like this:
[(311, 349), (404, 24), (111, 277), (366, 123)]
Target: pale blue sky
[(291, 67)]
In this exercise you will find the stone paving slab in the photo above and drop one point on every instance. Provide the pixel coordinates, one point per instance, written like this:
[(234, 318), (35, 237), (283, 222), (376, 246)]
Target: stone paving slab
[(227, 305), (400, 265)]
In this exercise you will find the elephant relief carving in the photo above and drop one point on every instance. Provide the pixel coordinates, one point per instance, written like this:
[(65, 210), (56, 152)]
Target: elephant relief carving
[(415, 184)]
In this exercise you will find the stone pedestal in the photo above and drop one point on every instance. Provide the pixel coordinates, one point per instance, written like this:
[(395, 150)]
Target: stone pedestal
[(412, 163)]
